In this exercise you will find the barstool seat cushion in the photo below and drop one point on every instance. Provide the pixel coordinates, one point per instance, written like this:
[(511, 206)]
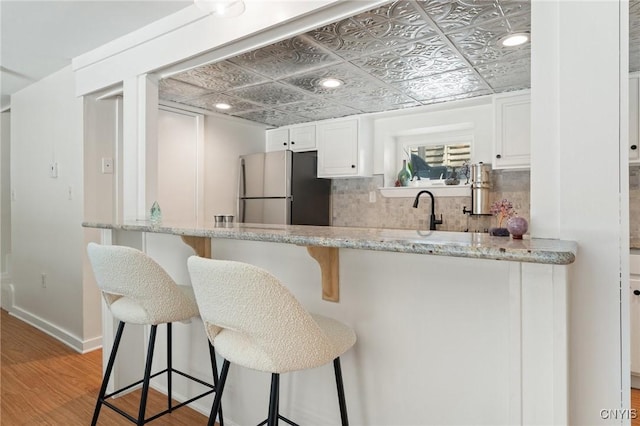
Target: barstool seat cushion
[(128, 310), (139, 291), (254, 321)]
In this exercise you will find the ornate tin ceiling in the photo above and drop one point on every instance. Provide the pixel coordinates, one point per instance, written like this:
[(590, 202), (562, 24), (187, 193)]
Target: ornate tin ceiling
[(400, 55), (634, 35)]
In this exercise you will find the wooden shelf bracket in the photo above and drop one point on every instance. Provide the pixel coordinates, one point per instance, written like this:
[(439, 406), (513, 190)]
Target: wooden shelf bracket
[(201, 245), (328, 259)]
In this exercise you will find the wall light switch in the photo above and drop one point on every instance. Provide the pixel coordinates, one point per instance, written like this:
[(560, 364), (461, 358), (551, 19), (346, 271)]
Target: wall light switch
[(372, 196), (53, 169), (107, 165)]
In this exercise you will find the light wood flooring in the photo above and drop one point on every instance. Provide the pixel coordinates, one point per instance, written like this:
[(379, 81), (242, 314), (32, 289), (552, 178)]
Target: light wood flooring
[(43, 382)]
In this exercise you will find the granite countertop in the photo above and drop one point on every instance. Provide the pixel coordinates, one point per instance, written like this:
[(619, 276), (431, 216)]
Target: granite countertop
[(456, 244)]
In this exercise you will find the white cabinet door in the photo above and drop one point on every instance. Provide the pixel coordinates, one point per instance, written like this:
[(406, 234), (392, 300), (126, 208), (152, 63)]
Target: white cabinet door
[(634, 118), (337, 148), (512, 146), (634, 314), (302, 138), (277, 139)]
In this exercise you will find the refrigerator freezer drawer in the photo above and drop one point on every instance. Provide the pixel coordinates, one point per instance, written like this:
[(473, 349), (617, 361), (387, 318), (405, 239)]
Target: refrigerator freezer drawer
[(265, 210)]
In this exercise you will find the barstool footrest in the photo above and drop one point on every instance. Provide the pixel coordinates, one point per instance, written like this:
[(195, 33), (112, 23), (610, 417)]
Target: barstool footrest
[(123, 413), (286, 420)]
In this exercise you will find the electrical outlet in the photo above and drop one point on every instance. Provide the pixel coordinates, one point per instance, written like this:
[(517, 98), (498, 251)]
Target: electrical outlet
[(43, 280), (53, 169), (107, 165), (372, 196)]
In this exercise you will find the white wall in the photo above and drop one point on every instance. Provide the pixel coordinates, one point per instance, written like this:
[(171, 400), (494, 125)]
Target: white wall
[(5, 201), (576, 131), (47, 237), (225, 140)]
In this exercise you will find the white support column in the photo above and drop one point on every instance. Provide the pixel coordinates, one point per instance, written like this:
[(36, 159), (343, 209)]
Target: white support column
[(576, 188), (139, 146)]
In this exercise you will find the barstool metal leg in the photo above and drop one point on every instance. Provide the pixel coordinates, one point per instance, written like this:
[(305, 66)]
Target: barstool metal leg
[(219, 388), (147, 375), (340, 386), (169, 366), (107, 373), (274, 398), (214, 368)]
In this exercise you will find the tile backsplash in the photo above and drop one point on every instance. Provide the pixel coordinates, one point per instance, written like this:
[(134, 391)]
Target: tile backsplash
[(352, 206)]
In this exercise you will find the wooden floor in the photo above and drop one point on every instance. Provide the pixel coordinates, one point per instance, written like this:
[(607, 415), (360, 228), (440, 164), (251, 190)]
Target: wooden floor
[(635, 404), (43, 382)]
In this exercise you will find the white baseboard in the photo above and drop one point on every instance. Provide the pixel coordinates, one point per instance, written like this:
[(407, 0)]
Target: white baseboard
[(56, 332), (6, 295), (635, 382)]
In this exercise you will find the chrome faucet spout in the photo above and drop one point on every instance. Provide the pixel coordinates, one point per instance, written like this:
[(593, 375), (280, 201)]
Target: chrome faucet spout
[(432, 217)]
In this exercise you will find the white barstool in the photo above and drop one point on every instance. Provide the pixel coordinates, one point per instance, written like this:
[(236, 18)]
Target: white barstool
[(138, 291), (255, 322)]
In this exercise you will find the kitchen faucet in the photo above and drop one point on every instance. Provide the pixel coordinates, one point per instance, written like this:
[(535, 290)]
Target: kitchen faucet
[(432, 218)]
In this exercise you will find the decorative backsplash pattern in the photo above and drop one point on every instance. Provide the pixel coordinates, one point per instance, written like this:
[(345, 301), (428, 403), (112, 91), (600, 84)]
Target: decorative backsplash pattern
[(351, 206)]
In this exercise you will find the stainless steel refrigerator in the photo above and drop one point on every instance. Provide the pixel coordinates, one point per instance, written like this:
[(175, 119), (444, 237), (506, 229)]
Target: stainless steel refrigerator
[(282, 187)]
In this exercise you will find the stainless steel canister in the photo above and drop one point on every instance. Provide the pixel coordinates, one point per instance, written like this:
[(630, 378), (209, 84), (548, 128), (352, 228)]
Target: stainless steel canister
[(480, 187)]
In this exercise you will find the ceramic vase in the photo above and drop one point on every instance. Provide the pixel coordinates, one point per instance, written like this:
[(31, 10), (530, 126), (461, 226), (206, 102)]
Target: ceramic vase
[(499, 232), (517, 226), (404, 176)]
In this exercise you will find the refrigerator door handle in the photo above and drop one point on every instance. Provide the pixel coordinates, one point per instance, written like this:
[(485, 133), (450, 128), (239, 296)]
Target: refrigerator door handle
[(243, 179)]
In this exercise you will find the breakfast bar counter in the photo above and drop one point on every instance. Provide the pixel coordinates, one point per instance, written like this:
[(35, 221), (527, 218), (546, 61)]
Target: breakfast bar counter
[(456, 244), (441, 317)]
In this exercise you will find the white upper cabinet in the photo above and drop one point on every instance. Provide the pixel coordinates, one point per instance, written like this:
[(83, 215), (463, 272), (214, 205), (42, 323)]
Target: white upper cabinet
[(295, 138), (302, 138), (634, 118), (277, 139), (512, 138), (344, 148)]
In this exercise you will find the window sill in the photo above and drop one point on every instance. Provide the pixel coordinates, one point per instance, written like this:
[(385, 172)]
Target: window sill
[(438, 190)]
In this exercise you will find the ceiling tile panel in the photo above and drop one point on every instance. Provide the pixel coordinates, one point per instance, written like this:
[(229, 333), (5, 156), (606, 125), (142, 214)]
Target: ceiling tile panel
[(219, 77), (354, 80), (272, 117), (318, 110), (386, 27), (271, 93), (480, 45), (286, 57), (399, 19), (209, 102), (454, 15), (634, 35), (174, 90), (378, 104), (430, 89), (507, 75), (418, 59)]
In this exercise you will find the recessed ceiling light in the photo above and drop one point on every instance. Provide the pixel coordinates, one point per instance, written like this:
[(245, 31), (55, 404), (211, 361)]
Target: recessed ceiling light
[(513, 40), (223, 106), (331, 83)]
